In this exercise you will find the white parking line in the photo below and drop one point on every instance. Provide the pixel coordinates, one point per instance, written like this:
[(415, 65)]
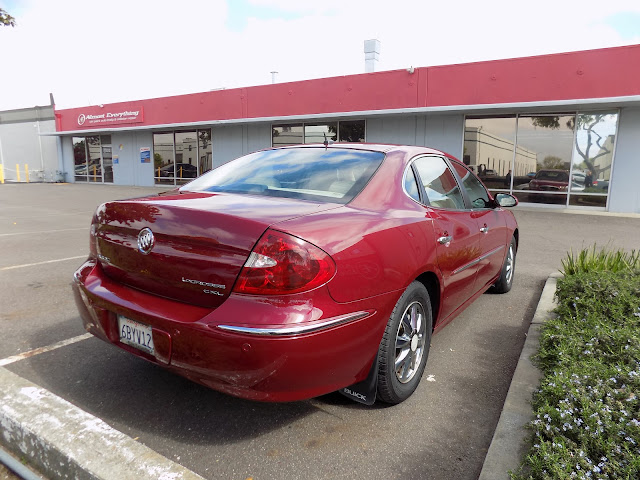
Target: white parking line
[(38, 351), (42, 263), (43, 231)]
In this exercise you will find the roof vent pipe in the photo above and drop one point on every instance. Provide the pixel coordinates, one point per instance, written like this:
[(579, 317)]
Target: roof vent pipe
[(371, 55)]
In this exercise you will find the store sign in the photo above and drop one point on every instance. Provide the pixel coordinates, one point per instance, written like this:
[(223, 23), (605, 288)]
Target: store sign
[(110, 118)]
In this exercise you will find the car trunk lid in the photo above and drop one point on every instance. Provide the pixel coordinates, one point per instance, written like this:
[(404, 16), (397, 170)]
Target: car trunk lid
[(200, 241)]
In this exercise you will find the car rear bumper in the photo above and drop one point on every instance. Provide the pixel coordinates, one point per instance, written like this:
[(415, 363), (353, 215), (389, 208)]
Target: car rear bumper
[(270, 349)]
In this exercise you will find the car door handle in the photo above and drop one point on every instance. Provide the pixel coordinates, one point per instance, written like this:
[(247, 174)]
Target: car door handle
[(445, 240), (484, 229)]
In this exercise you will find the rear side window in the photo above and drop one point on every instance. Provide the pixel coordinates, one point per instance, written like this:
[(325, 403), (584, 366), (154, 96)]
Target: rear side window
[(333, 175), (411, 185), (439, 183), (476, 191)]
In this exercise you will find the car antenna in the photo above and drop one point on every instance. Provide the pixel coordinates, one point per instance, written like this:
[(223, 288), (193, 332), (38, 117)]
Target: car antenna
[(326, 142)]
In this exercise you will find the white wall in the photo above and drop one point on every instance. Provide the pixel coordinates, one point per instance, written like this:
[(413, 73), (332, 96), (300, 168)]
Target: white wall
[(66, 162), (387, 129), (130, 170), (441, 131), (22, 145), (624, 186), (233, 141)]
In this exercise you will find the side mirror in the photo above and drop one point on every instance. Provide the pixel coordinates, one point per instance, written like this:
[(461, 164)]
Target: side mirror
[(506, 200)]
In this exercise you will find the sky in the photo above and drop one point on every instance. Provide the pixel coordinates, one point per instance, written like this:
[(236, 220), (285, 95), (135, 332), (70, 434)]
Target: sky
[(97, 52)]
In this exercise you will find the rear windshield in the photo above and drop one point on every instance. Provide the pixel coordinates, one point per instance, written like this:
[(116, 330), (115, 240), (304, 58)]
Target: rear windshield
[(318, 174)]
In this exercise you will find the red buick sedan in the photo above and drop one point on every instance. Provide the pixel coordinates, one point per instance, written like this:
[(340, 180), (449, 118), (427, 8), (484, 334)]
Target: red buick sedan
[(293, 272)]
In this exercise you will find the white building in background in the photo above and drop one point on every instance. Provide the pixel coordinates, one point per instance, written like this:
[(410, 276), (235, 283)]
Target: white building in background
[(24, 150)]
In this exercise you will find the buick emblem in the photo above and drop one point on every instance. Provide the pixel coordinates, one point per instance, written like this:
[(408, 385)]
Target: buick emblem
[(146, 241)]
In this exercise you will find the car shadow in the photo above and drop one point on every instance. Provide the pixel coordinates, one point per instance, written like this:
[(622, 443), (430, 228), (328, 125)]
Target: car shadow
[(141, 399)]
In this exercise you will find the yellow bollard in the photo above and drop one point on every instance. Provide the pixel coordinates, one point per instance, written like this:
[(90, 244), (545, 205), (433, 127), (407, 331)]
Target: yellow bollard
[(1, 173), (26, 172), (158, 171), (17, 172), (180, 172), (94, 173)]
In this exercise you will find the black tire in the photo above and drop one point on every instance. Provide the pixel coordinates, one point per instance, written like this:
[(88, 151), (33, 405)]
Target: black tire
[(405, 343), (505, 282)]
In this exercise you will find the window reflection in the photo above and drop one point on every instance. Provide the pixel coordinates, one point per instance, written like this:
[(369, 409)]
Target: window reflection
[(186, 166), (92, 159), (107, 161), (163, 158), (297, 134), (204, 151), (80, 159), (488, 152), (287, 135), (551, 138), (317, 174), (352, 131), (179, 157), (593, 154), (411, 185), (477, 193), (439, 183), (93, 162), (319, 132), (544, 158)]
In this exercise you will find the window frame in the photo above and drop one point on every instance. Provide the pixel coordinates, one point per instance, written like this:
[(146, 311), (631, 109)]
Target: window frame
[(424, 198), (467, 198), (316, 123), (175, 180)]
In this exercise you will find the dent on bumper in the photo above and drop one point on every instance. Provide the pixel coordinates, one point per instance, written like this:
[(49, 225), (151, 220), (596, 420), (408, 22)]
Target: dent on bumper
[(269, 361)]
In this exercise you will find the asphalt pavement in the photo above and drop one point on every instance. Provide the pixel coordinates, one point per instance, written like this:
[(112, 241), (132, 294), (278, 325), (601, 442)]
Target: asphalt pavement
[(442, 432)]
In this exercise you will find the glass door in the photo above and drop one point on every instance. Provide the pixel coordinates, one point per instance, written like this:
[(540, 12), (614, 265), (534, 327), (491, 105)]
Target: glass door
[(107, 163)]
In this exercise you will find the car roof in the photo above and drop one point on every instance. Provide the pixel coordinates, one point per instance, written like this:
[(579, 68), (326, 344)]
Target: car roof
[(373, 147)]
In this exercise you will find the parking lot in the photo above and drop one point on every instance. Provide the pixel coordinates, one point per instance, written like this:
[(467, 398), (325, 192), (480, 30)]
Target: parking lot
[(442, 432)]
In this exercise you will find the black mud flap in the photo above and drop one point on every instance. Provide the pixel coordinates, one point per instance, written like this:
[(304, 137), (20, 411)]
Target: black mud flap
[(364, 391)]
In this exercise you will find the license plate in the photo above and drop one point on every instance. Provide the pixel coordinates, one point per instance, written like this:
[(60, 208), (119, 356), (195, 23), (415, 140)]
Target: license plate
[(136, 334)]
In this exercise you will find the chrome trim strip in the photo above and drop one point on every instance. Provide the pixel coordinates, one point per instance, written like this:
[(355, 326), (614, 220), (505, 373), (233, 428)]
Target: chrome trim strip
[(297, 330), (478, 260)]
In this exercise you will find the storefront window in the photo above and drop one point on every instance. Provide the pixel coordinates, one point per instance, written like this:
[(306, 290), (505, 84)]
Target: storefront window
[(93, 159), (204, 151), (551, 138), (319, 132), (297, 134), (592, 158), (557, 159), (287, 135), (186, 166), (351, 131), (94, 164), (179, 157), (80, 159), (164, 158), (488, 151)]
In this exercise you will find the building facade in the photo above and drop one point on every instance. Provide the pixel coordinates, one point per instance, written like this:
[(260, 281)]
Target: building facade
[(560, 129), (24, 152)]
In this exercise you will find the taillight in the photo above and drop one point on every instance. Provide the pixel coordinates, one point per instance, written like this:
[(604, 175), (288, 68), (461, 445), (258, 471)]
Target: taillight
[(93, 249), (281, 264)]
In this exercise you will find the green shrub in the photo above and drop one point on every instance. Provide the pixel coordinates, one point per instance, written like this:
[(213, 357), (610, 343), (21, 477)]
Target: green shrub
[(591, 260), (587, 410)]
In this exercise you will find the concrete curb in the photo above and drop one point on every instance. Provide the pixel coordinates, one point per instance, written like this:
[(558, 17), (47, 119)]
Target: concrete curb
[(509, 443), (63, 441)]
